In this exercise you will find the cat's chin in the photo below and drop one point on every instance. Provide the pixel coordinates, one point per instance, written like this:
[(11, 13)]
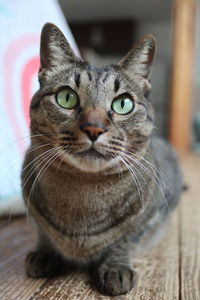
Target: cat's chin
[(91, 161)]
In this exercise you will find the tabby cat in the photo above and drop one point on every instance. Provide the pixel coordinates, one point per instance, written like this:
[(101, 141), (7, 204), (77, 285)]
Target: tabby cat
[(96, 180)]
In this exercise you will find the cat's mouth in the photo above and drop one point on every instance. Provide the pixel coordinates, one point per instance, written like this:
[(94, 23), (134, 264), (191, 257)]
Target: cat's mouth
[(91, 154)]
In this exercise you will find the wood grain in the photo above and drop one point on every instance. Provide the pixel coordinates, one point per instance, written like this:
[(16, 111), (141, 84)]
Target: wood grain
[(190, 232), (4, 221), (159, 270), (15, 241)]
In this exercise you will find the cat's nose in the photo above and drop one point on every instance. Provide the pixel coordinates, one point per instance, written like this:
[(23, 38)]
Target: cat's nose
[(93, 131)]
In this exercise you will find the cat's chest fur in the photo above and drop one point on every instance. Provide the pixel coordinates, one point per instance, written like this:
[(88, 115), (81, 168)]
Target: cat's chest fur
[(79, 205), (82, 215)]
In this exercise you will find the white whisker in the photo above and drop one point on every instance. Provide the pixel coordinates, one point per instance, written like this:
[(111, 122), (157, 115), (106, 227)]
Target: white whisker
[(144, 180), (135, 179), (52, 156), (153, 176)]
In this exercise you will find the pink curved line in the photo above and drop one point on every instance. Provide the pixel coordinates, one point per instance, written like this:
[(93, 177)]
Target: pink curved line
[(30, 68), (11, 55)]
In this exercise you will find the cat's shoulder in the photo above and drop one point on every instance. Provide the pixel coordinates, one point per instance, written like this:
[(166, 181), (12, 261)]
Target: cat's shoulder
[(161, 148)]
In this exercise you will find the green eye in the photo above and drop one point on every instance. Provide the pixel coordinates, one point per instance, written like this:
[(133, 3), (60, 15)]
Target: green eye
[(123, 105), (67, 98)]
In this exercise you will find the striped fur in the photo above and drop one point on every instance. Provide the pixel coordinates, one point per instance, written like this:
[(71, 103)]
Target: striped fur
[(93, 207)]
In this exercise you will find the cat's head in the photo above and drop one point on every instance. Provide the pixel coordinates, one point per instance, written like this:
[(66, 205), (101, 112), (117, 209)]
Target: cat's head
[(94, 118)]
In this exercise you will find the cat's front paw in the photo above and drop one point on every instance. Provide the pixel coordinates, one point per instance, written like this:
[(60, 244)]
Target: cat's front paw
[(116, 280), (40, 264)]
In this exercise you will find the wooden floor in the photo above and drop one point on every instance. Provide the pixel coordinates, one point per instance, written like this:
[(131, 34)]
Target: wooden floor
[(170, 272)]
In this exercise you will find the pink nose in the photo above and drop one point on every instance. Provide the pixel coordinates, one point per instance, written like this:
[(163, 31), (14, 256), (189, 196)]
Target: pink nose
[(93, 131)]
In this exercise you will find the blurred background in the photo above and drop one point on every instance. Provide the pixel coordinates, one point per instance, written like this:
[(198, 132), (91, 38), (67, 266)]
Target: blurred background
[(101, 32)]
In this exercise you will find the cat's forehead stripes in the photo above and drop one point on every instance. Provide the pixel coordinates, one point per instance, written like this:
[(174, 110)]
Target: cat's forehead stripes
[(116, 85), (77, 79), (105, 77), (89, 76)]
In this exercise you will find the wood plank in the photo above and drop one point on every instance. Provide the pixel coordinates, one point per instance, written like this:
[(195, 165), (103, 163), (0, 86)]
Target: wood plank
[(181, 77), (15, 241), (159, 270), (190, 231), (4, 221), (12, 237)]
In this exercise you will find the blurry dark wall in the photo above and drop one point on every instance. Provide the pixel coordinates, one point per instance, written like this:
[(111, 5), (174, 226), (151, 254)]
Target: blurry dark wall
[(103, 36)]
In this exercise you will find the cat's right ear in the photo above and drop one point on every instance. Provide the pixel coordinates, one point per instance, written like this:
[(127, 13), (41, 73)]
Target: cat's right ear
[(54, 48), (138, 62)]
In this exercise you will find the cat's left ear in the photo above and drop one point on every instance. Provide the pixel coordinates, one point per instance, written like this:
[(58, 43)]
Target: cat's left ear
[(54, 48), (138, 61)]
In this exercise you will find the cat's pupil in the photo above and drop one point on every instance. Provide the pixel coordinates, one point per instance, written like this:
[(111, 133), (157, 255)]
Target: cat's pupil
[(122, 103), (67, 97)]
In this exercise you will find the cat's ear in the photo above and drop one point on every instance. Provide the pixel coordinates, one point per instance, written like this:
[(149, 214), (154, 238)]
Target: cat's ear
[(54, 48), (138, 61)]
